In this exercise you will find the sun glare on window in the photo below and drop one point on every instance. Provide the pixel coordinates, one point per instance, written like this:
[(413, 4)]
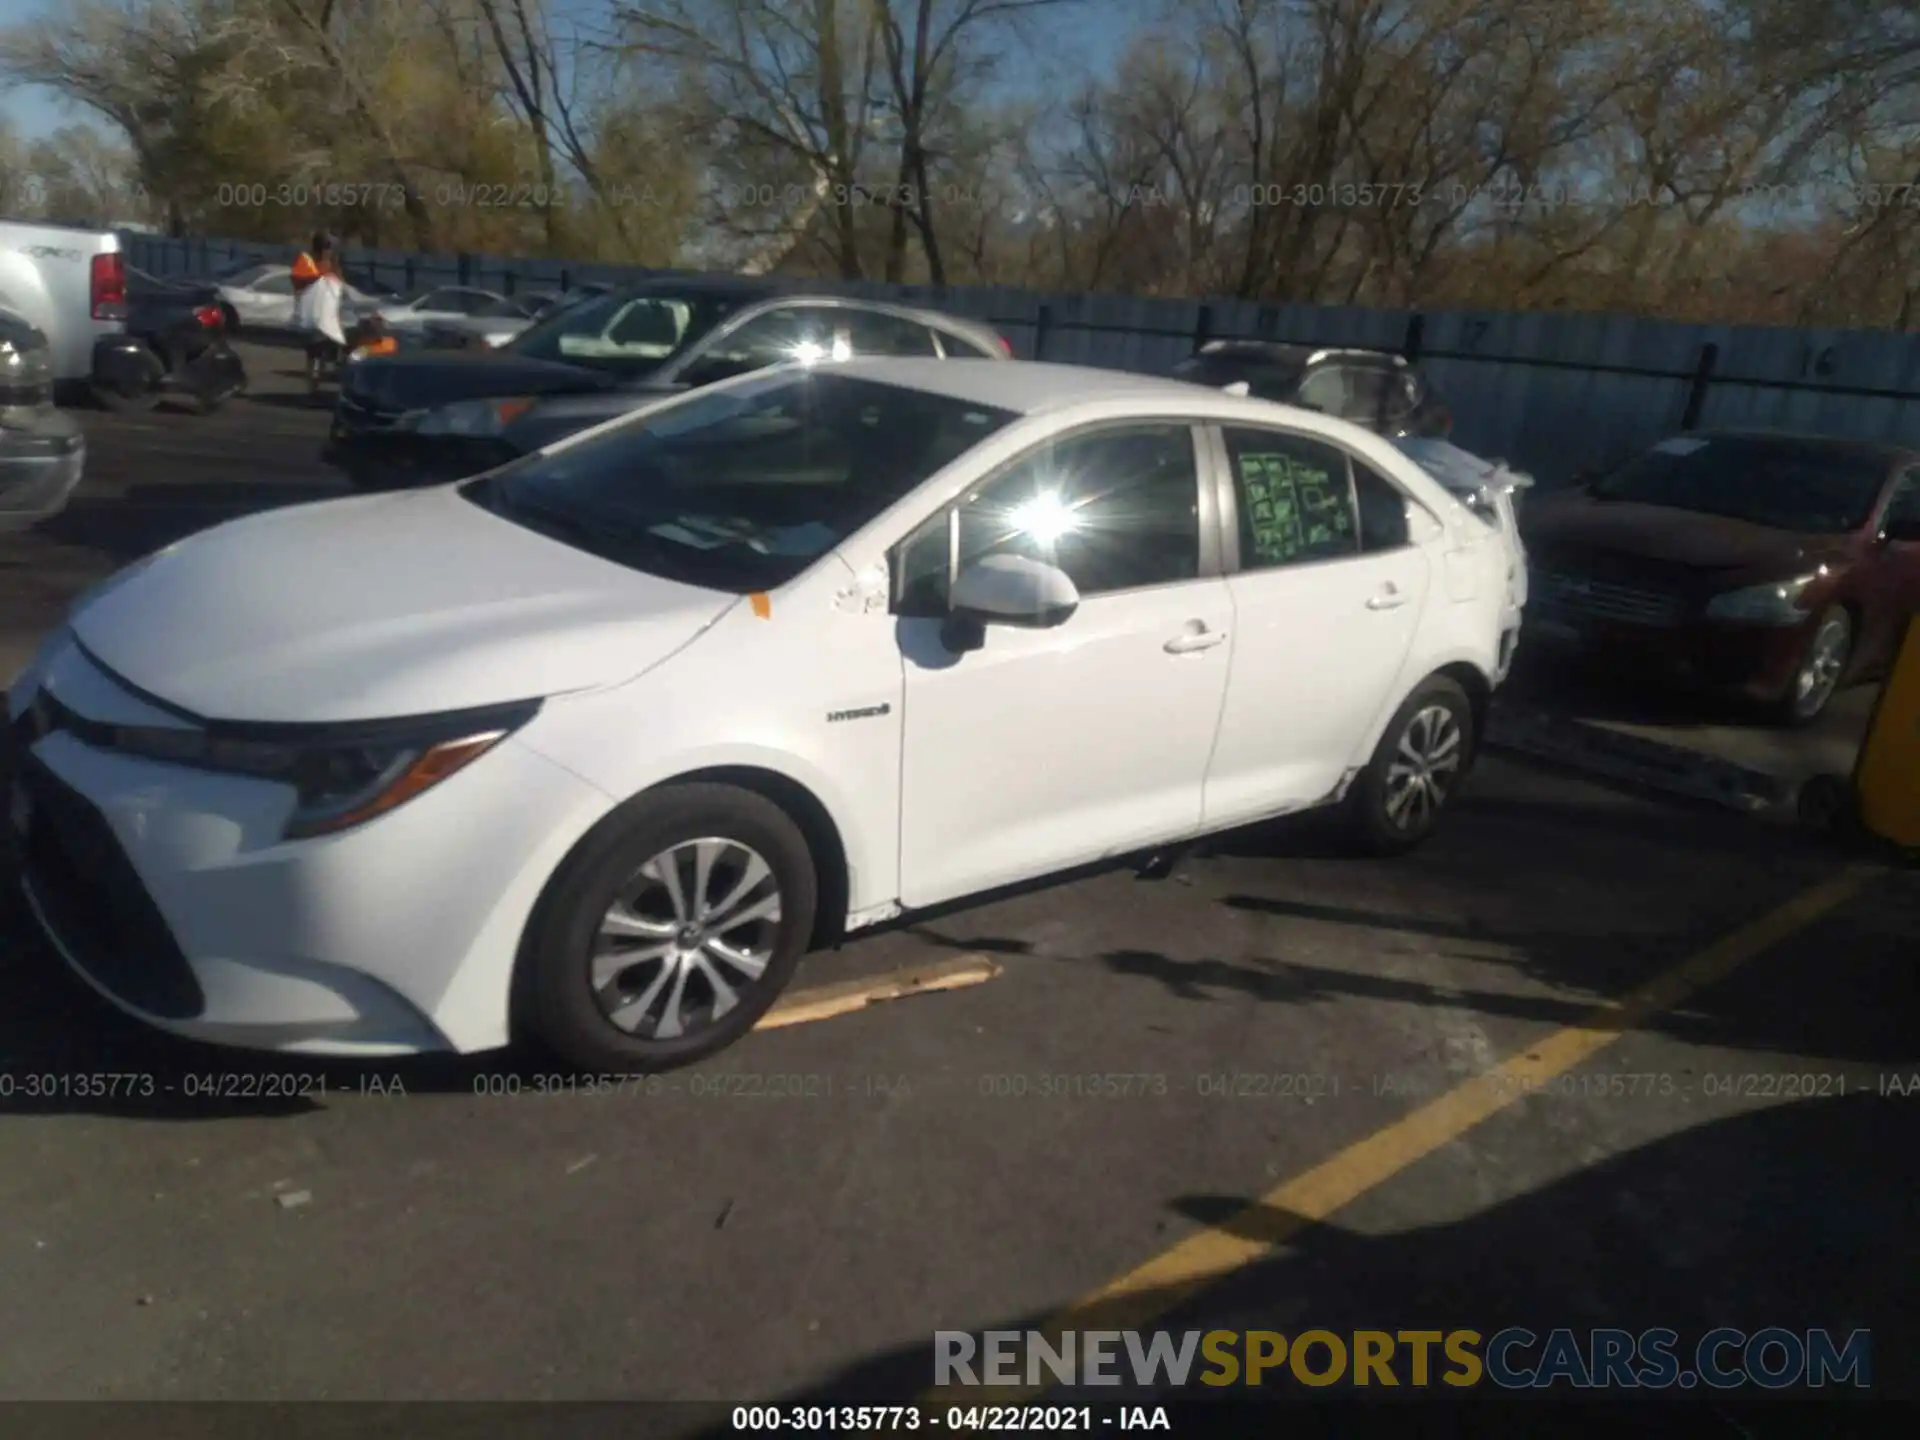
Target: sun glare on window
[(1046, 518)]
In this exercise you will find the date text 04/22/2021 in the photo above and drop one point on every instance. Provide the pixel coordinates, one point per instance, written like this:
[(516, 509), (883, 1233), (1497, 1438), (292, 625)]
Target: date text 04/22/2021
[(959, 1419), (137, 1085)]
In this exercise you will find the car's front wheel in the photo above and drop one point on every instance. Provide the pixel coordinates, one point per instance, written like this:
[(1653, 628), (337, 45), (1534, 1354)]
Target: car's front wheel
[(1423, 755), (671, 931), (1822, 667)]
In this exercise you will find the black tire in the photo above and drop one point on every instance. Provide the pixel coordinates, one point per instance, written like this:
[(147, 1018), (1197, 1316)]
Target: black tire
[(1802, 705), (1824, 803), (1379, 822), (119, 402), (555, 997)]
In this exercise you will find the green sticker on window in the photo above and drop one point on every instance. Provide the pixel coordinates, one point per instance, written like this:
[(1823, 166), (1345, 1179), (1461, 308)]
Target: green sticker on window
[(1294, 510)]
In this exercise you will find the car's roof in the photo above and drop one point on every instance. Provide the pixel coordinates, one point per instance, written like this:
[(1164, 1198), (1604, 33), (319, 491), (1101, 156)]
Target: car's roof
[(1030, 387), (1838, 445), (718, 287)]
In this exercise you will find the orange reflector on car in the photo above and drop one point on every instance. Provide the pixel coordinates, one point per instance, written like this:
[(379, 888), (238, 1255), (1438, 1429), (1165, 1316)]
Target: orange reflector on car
[(762, 605)]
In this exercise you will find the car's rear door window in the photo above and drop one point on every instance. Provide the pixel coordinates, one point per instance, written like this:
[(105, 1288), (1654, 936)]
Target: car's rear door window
[(1294, 498)]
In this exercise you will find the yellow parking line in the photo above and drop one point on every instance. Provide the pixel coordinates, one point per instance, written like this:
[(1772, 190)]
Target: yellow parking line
[(823, 1002), (1151, 1290)]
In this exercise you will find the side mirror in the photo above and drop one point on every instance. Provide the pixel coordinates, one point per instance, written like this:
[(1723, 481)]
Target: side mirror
[(1006, 590)]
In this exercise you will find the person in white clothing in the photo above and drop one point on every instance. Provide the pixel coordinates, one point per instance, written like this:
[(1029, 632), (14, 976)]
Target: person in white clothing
[(317, 312)]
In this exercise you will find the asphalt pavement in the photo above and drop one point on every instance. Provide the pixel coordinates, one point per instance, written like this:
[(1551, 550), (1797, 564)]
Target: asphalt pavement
[(1256, 1093)]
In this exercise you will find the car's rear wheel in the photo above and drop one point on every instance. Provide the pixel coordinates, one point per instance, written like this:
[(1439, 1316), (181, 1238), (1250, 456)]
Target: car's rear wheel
[(1822, 667), (671, 932), (1424, 753)]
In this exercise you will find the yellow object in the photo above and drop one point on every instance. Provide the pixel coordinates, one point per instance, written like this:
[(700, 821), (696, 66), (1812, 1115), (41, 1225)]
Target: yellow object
[(1886, 780)]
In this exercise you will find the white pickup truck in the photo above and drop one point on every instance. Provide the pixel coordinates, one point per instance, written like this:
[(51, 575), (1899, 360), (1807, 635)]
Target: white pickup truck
[(67, 282)]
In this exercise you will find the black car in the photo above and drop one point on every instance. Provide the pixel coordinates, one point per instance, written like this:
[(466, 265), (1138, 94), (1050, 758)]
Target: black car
[(433, 415), (1382, 391), (174, 344)]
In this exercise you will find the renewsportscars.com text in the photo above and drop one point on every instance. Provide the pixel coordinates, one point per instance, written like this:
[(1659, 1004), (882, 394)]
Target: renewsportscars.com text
[(1774, 1358)]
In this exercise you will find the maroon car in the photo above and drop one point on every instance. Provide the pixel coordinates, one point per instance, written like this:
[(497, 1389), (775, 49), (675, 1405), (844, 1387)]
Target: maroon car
[(1775, 567)]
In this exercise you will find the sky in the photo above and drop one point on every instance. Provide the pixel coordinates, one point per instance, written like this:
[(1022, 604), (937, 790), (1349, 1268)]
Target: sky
[(34, 112), (1087, 31)]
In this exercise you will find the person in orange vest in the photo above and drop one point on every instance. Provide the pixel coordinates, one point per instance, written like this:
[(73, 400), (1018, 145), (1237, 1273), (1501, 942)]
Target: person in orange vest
[(316, 308), (306, 269)]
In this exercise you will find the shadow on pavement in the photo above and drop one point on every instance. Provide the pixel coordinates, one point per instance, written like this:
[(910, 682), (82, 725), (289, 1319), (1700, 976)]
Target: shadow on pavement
[(1498, 843), (1794, 1216), (1597, 690), (297, 399)]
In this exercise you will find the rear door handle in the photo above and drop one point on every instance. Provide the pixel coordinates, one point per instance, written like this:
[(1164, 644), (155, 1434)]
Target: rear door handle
[(1389, 599), (1192, 640)]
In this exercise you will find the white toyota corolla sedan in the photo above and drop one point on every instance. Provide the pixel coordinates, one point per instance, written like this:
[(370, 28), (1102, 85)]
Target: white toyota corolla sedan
[(596, 746)]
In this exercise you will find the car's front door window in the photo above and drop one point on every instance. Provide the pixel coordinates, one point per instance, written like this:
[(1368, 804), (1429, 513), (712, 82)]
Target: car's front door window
[(1116, 509)]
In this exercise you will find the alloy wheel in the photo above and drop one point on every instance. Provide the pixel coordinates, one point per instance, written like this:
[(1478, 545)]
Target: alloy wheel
[(1425, 765), (1819, 675), (694, 928)]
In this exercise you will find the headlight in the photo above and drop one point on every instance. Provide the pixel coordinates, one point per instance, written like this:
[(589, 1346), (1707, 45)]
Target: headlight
[(343, 775), (1777, 604), (482, 419)]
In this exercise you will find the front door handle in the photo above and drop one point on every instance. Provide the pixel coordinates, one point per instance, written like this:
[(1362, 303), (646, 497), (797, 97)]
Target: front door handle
[(1195, 639), (1392, 598)]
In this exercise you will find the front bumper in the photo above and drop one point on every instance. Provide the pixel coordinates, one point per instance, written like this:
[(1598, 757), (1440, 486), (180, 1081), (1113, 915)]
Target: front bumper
[(169, 891), (40, 465)]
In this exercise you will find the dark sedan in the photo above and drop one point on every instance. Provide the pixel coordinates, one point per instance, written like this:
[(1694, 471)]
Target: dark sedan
[(1779, 568), (174, 344), (1384, 392), (435, 415)]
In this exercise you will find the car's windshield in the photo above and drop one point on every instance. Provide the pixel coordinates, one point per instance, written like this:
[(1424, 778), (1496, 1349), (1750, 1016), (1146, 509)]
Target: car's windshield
[(631, 334), (1807, 488), (740, 489)]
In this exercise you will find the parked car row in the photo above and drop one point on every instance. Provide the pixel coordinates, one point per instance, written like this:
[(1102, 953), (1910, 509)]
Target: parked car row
[(429, 416), (1778, 569)]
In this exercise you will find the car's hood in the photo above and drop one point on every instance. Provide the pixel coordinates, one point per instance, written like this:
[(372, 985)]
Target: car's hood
[(379, 607), (1574, 523), (422, 380)]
